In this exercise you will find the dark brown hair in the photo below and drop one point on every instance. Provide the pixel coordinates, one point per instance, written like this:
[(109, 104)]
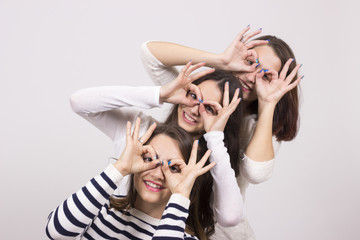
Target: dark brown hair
[(233, 126), (286, 114), (200, 221)]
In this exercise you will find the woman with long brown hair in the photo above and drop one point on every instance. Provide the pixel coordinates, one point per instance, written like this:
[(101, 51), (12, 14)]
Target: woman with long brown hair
[(267, 71), (163, 172)]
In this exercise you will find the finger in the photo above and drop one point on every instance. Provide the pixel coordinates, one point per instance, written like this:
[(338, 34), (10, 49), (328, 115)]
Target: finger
[(203, 160), (235, 97), (149, 149), (285, 69), (255, 43), (214, 104), (128, 130), (185, 68), (195, 89), (271, 74), (241, 34), (294, 84), (259, 76), (226, 94), (194, 67), (148, 133), (206, 168), (193, 155), (203, 113), (200, 74), (137, 129), (251, 34), (291, 76)]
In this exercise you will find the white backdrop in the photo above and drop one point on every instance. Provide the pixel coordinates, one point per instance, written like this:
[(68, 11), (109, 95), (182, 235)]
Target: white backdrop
[(49, 49)]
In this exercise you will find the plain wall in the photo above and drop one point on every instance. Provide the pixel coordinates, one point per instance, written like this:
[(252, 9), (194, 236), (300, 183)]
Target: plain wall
[(49, 49)]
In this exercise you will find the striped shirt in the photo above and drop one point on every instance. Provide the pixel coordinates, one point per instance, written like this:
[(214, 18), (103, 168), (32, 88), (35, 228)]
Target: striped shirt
[(86, 215)]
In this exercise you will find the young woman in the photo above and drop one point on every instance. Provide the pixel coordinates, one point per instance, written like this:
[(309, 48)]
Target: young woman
[(157, 204), (266, 68), (205, 105)]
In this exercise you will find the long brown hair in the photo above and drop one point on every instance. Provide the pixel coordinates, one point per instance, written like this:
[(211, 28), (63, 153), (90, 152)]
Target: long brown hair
[(286, 115), (233, 126), (200, 221)]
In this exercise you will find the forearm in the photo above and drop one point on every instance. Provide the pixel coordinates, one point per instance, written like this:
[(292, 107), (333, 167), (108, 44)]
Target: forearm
[(172, 54), (260, 147), (72, 217), (228, 201)]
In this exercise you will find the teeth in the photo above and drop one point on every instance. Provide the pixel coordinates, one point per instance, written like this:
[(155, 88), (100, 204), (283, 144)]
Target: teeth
[(244, 86), (152, 184), (188, 117)]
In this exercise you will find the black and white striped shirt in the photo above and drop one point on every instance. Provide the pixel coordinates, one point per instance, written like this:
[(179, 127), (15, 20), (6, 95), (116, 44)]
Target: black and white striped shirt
[(86, 215)]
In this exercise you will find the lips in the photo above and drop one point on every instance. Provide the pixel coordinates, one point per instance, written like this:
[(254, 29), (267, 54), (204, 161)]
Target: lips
[(152, 186), (188, 119), (244, 86)]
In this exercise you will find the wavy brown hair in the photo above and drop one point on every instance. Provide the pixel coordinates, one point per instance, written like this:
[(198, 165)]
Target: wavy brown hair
[(286, 114), (233, 125), (200, 221)]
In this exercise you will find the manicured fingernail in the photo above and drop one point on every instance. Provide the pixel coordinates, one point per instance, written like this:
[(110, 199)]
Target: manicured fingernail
[(257, 65), (169, 162), (257, 60), (190, 60), (201, 100), (266, 70), (267, 40), (300, 66), (227, 82), (198, 141), (248, 25), (261, 70), (162, 163), (260, 28), (302, 76), (240, 99), (293, 60)]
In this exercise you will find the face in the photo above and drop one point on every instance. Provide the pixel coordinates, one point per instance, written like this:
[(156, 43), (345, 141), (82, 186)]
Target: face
[(189, 117), (268, 60), (151, 186)]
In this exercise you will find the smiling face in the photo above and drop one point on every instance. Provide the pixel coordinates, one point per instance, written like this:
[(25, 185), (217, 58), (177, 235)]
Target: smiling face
[(268, 60), (188, 117), (152, 190)]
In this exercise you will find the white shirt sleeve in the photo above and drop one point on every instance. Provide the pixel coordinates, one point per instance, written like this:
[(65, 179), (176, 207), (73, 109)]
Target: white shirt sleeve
[(228, 202), (158, 72)]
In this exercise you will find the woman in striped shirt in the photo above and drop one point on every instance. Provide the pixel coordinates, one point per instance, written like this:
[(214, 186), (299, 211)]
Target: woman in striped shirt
[(160, 198)]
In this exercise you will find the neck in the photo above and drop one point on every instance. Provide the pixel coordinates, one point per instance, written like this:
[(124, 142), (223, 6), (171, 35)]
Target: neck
[(151, 209)]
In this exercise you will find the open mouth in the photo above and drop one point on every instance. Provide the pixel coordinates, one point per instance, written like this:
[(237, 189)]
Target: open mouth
[(188, 119), (154, 187), (244, 86)]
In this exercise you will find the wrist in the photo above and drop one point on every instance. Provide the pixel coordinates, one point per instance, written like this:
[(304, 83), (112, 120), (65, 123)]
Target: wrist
[(123, 171)]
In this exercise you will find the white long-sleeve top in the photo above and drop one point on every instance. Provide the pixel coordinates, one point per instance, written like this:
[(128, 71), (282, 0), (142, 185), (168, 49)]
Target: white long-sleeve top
[(250, 171), (109, 108), (86, 215)]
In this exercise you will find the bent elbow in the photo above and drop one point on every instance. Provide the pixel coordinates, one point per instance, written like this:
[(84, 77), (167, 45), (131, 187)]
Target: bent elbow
[(231, 220)]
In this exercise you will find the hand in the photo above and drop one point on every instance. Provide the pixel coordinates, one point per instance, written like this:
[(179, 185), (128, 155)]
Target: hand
[(176, 90), (273, 87), (240, 56), (131, 160), (182, 182), (217, 122)]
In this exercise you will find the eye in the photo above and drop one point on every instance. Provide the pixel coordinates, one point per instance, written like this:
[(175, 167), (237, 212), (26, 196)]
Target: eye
[(147, 158), (210, 109), (191, 94), (250, 62), (174, 169), (266, 77)]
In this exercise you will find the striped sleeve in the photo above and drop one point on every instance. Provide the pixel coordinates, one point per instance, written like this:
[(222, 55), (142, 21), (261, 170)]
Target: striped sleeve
[(73, 216), (172, 223)]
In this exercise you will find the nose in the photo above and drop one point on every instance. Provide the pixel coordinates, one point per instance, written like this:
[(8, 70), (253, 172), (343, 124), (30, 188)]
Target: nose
[(251, 76), (157, 173), (195, 110)]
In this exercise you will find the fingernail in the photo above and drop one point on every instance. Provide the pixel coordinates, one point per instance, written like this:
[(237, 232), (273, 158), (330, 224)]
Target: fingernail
[(201, 100), (227, 82), (257, 60), (293, 60), (248, 25), (169, 162), (300, 66), (257, 65), (162, 163), (260, 28), (266, 70), (240, 99), (190, 60), (198, 141), (267, 40), (261, 70), (302, 76)]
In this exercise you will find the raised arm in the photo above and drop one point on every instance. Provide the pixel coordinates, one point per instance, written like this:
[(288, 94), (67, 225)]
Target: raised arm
[(159, 58)]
